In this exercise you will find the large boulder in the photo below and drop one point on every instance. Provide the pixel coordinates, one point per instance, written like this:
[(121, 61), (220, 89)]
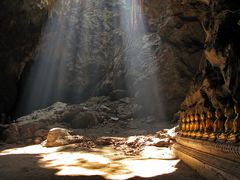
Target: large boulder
[(56, 137)]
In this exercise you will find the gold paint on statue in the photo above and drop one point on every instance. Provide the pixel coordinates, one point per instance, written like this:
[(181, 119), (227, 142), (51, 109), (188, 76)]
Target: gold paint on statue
[(196, 125), (208, 125), (218, 125), (192, 118), (187, 125), (234, 137)]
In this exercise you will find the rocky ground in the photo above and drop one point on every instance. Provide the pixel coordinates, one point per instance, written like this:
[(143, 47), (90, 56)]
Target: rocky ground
[(99, 116), (98, 139)]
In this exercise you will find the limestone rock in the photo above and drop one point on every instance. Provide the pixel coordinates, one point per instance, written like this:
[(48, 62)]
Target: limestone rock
[(56, 137)]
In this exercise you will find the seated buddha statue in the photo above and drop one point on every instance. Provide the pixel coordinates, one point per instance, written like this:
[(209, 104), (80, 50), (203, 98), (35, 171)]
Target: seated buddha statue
[(202, 124), (187, 125), (183, 124), (228, 125), (192, 119), (208, 125), (234, 136), (218, 125), (196, 126)]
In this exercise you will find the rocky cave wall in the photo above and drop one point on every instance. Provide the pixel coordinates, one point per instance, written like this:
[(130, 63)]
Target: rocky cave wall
[(217, 83), (175, 30), (21, 23), (179, 52)]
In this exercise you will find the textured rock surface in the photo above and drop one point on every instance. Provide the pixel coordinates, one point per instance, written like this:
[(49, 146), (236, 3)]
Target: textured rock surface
[(98, 116), (21, 25), (177, 26), (217, 81), (175, 36)]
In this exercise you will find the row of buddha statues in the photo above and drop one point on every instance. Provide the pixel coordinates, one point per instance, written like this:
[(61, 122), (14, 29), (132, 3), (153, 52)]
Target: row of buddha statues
[(212, 125)]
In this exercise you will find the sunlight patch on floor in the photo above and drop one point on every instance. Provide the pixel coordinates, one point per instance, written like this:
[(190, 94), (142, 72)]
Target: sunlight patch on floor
[(106, 161), (34, 149)]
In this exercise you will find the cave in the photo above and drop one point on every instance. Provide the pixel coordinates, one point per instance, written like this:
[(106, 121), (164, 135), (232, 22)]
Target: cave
[(122, 89)]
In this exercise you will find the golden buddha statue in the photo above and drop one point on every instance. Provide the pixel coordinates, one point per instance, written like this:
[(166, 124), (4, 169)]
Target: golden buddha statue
[(234, 136), (197, 126), (228, 125), (218, 125), (183, 124), (202, 124), (187, 125), (192, 119), (208, 125)]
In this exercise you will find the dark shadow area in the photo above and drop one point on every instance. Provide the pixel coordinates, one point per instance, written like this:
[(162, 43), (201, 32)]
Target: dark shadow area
[(23, 166)]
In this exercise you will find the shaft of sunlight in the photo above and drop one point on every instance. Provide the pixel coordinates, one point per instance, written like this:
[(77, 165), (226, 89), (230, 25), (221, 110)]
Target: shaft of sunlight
[(139, 60)]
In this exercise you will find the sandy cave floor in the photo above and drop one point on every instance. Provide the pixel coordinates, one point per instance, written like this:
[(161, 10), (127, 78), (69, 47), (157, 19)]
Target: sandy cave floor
[(115, 149), (73, 161)]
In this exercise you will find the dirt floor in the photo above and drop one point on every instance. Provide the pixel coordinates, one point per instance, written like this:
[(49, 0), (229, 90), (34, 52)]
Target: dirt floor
[(119, 147), (74, 161)]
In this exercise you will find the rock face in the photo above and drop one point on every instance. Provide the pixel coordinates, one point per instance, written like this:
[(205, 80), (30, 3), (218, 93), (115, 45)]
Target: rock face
[(21, 25), (175, 37), (217, 84), (176, 28)]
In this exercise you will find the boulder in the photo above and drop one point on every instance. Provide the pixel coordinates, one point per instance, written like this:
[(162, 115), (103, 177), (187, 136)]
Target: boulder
[(56, 137)]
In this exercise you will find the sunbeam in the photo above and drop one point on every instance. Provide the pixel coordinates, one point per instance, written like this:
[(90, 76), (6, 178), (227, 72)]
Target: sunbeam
[(139, 59)]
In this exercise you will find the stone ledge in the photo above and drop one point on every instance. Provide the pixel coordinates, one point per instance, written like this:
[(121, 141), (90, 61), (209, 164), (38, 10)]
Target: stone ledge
[(223, 150), (209, 159)]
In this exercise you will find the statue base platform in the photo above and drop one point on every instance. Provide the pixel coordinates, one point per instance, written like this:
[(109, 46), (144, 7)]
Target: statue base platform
[(212, 160)]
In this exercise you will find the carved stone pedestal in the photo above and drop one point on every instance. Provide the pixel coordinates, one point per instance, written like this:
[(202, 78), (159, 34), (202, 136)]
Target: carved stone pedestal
[(212, 160)]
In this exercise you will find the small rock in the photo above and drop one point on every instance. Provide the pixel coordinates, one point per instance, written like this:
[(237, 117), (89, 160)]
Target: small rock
[(56, 137), (105, 108), (159, 142), (85, 108), (126, 100), (114, 118)]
